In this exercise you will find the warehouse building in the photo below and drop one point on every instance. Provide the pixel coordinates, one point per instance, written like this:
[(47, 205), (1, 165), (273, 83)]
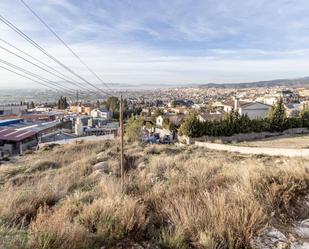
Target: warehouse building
[(14, 141)]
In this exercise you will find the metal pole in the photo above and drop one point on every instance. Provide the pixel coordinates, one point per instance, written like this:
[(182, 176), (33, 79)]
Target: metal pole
[(121, 142)]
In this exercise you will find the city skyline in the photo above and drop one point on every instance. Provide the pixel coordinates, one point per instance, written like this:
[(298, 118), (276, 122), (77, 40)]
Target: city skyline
[(179, 42)]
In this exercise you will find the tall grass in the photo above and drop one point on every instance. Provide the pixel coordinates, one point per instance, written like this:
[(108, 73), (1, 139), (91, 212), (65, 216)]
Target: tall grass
[(173, 197)]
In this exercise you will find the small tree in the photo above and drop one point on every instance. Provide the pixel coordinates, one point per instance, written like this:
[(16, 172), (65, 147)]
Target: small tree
[(277, 116), (173, 104), (98, 104), (112, 104), (32, 106), (133, 129), (158, 112), (191, 126), (304, 116), (62, 103), (168, 125)]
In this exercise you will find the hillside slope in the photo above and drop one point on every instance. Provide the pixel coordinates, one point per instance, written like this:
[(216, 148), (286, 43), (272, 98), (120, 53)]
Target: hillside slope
[(69, 197)]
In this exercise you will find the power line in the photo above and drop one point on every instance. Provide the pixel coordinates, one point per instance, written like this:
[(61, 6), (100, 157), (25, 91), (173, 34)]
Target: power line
[(36, 76), (41, 83), (34, 64), (24, 76), (67, 78), (27, 38), (62, 41)]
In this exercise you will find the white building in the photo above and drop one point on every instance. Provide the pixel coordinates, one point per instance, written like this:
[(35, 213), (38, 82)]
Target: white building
[(101, 113), (79, 128), (159, 121), (12, 109), (253, 110)]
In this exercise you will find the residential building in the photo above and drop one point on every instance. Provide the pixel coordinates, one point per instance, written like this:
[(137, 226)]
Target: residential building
[(203, 117), (293, 109), (252, 109), (174, 119), (84, 109), (101, 113)]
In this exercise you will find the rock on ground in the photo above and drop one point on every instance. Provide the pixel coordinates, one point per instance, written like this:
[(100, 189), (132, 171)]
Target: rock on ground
[(101, 167), (271, 238), (132, 245)]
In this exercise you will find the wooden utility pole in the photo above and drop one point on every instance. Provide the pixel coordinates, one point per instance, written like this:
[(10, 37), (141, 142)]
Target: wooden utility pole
[(121, 142)]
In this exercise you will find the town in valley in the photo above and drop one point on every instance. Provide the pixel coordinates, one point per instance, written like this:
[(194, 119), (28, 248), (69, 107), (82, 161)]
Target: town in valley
[(29, 121)]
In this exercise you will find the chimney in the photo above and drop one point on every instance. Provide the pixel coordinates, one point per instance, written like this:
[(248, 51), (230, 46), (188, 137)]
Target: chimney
[(236, 103)]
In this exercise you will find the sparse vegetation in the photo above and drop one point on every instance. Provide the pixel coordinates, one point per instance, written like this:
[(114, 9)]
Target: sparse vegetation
[(173, 198)]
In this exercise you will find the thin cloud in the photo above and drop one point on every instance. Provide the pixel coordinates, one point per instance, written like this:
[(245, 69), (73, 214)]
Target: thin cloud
[(170, 41)]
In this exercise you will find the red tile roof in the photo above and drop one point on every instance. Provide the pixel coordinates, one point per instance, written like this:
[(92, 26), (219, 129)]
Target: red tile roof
[(9, 134)]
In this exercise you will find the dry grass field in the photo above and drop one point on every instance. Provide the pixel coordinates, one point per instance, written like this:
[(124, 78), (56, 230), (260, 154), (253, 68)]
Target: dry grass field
[(69, 197), (284, 141)]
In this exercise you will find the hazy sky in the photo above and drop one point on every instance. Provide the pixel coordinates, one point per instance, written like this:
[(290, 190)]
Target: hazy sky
[(165, 41)]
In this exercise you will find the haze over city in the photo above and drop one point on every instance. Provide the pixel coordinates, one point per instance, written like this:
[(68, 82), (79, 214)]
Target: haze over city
[(165, 42)]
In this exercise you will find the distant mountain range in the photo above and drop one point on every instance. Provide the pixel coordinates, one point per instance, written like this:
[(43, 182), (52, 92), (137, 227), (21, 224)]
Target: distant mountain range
[(300, 82)]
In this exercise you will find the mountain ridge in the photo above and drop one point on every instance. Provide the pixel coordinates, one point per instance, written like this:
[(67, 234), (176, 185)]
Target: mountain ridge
[(298, 82)]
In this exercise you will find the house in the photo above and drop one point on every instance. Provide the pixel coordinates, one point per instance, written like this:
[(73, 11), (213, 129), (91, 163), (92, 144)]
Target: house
[(253, 110), (163, 131), (293, 109), (203, 117), (174, 119), (179, 110), (101, 113), (227, 106), (84, 109)]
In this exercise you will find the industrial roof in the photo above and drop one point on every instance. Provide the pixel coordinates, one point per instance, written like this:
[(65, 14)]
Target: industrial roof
[(9, 134), (10, 121)]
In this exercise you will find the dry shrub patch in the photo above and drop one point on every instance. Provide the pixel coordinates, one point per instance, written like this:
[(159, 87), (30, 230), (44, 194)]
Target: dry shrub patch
[(174, 197), (42, 166), (54, 231), (283, 193)]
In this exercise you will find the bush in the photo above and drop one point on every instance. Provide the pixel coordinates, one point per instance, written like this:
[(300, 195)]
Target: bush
[(54, 231), (133, 129), (43, 165), (114, 218)]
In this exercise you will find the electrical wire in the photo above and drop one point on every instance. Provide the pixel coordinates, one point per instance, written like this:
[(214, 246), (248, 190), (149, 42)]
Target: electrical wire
[(27, 38), (36, 76), (63, 42)]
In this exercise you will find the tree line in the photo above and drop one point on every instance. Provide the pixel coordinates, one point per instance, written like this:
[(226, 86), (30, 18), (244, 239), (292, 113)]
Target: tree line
[(234, 123)]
